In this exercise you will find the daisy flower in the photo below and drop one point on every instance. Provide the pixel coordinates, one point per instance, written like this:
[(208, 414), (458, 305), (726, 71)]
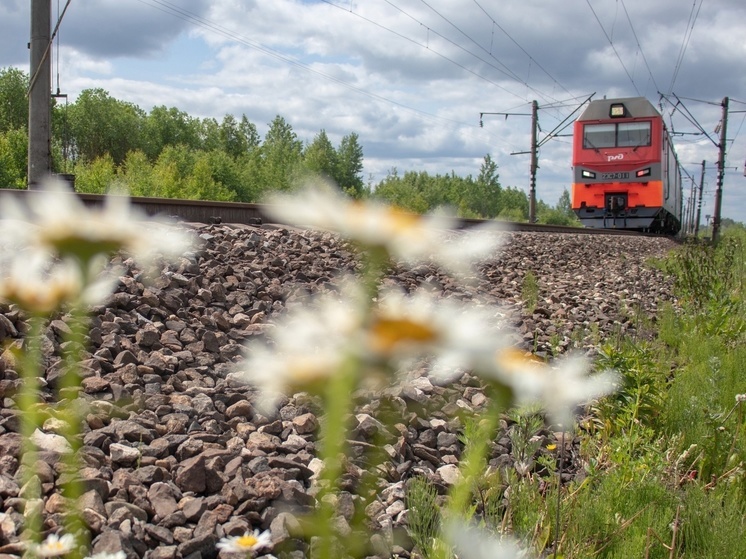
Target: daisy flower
[(247, 543), (308, 345), (559, 387), (54, 545), (405, 236), (57, 221), (457, 335), (107, 555), (40, 286), (476, 543)]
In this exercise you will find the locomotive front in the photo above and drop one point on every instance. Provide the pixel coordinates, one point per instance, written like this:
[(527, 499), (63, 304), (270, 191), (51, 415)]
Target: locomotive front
[(625, 171)]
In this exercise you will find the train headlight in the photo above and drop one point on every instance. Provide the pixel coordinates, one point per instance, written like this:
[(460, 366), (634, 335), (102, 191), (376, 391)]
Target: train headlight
[(643, 173), (617, 110), (587, 174)]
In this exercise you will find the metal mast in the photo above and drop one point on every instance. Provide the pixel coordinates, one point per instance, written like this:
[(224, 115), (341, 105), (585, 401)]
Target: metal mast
[(39, 100)]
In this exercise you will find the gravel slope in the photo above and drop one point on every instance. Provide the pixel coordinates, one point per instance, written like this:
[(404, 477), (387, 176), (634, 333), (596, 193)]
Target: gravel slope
[(175, 455)]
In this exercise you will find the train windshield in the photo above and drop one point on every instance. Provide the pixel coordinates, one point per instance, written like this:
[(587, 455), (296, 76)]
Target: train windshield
[(622, 134)]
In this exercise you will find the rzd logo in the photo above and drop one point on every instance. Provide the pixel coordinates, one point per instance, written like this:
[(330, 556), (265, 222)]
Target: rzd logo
[(617, 157)]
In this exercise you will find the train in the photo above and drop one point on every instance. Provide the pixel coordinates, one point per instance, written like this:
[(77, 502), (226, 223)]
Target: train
[(625, 171)]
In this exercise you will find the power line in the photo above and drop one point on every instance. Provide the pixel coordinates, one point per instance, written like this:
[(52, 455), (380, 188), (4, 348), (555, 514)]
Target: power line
[(531, 58), (639, 46), (613, 47), (505, 71), (685, 42), (400, 35), (195, 19)]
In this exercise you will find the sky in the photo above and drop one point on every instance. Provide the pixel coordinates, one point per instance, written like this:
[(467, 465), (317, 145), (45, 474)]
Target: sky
[(412, 77)]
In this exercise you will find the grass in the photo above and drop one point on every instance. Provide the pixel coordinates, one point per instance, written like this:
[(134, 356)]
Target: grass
[(665, 456)]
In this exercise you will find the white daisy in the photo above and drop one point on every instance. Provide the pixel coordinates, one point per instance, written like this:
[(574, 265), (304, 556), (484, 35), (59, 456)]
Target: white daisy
[(476, 543), (308, 345), (457, 335), (40, 286), (405, 236), (559, 387), (247, 543), (54, 545), (55, 220)]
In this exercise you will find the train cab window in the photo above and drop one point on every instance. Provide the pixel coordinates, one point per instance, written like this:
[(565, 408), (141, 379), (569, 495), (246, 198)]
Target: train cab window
[(622, 134), (599, 136), (633, 134)]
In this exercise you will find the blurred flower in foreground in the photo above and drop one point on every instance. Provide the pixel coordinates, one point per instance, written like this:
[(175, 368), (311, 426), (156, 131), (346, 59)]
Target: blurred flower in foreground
[(105, 555), (310, 344), (41, 286), (405, 236), (248, 543), (559, 387), (56, 221), (54, 546), (475, 543), (456, 334), (313, 342)]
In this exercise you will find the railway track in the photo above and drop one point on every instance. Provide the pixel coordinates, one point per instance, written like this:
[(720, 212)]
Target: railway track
[(201, 211)]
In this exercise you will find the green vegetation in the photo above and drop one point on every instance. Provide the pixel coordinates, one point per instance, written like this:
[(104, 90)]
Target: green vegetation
[(168, 153), (663, 459)]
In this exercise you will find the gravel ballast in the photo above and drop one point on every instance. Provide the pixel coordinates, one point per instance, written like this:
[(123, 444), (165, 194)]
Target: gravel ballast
[(174, 454)]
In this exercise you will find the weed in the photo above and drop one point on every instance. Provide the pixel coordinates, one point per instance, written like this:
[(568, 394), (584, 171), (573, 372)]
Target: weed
[(524, 439), (530, 291), (423, 518)]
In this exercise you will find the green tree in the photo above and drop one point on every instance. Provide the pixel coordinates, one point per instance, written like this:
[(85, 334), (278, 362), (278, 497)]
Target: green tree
[(487, 189), (513, 204), (13, 100), (225, 171), (564, 205), (232, 140), (348, 172), (100, 124), (169, 127), (13, 155), (95, 177), (281, 155), (136, 174), (201, 185), (562, 214), (320, 157), (210, 134), (248, 130)]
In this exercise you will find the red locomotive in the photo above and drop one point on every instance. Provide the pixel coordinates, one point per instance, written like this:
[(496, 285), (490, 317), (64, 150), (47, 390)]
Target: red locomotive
[(625, 171)]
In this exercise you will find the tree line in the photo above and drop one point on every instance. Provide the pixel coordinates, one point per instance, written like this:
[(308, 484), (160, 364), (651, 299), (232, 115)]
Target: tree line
[(166, 152)]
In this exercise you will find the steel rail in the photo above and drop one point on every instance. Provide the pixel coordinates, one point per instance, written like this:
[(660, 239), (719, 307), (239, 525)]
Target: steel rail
[(201, 211)]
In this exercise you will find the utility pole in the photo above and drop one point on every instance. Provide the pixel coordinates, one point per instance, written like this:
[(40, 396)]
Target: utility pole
[(690, 209), (699, 204), (721, 173), (534, 162), (40, 87), (534, 154)]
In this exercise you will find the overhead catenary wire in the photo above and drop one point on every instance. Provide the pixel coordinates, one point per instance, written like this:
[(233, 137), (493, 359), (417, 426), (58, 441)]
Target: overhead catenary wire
[(611, 42), (531, 58), (685, 42), (427, 46), (639, 46), (195, 19), (505, 70)]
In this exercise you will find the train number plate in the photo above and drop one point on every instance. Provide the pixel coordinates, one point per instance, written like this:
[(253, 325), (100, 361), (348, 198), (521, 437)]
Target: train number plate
[(614, 176)]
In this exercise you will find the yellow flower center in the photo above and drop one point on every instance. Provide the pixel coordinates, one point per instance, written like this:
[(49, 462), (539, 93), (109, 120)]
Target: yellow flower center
[(387, 333), (247, 540), (515, 361)]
